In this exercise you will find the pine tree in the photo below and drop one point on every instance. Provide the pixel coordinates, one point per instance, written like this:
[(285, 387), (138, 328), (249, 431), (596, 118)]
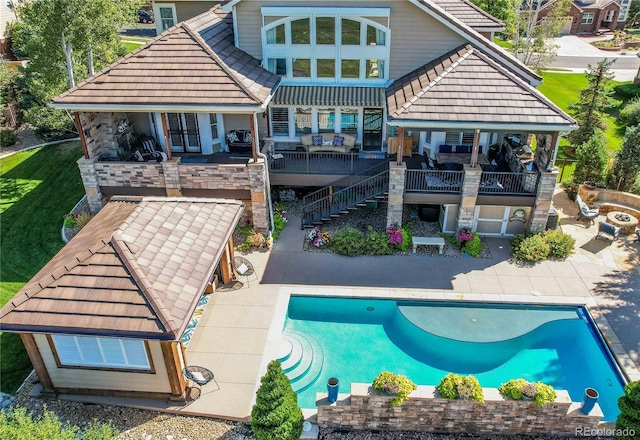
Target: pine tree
[(594, 99), (629, 404), (626, 168), (276, 415), (592, 158)]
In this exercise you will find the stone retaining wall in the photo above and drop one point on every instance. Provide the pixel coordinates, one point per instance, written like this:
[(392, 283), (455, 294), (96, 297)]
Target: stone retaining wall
[(130, 174), (618, 197), (425, 411), (212, 176)]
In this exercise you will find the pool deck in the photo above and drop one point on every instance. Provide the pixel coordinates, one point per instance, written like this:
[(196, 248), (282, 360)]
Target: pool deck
[(239, 331)]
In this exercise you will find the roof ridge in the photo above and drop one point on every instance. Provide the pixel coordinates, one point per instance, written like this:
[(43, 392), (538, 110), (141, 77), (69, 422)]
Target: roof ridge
[(126, 256), (223, 65), (482, 11)]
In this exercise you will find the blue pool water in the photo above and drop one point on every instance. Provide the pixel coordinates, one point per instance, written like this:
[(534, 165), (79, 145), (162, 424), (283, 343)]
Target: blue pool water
[(355, 339)]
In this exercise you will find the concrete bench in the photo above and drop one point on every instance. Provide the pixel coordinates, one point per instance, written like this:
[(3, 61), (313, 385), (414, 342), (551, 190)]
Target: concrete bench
[(428, 241)]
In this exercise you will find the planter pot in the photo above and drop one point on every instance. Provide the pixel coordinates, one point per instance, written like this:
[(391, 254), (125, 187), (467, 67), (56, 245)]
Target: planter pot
[(527, 398), (589, 400), (332, 389), (589, 185)]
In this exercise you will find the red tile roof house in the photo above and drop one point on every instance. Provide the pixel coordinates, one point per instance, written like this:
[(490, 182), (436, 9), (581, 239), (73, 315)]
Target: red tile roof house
[(590, 17)]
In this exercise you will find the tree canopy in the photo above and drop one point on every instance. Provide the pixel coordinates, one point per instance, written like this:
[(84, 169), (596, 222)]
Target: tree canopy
[(626, 167)]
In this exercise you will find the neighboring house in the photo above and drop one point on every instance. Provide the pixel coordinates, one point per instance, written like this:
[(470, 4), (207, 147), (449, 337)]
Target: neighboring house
[(404, 76), (7, 17), (589, 17), (106, 315)]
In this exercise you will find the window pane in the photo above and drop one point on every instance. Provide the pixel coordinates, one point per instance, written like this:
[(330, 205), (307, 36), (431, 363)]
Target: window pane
[(350, 32), (375, 37), (326, 120), (325, 30), (302, 67), (351, 68), (326, 68), (467, 138), (277, 66), (67, 350), (300, 31), (166, 17), (136, 353), (213, 119), (303, 121), (280, 121), (452, 138), (112, 351), (375, 69), (349, 121), (275, 35)]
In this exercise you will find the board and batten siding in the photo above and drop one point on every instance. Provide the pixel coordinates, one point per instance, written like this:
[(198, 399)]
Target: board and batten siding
[(416, 37), (106, 380)]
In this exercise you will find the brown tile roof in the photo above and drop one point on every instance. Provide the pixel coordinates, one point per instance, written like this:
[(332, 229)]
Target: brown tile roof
[(194, 63), (466, 85), (469, 14), (136, 270), (599, 4)]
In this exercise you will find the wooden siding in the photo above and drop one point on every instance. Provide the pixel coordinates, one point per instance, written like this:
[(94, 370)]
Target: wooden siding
[(187, 10), (106, 380), (416, 37)]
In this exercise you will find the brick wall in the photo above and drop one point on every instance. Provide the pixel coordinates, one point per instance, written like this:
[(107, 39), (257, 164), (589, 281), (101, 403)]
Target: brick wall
[(470, 187), (425, 411), (101, 132), (130, 174), (397, 177), (544, 196), (212, 176)]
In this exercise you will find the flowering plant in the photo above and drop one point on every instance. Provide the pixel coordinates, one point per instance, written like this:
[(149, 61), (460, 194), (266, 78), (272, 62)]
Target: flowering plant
[(318, 238), (463, 235), (254, 239), (397, 384), (395, 236), (529, 390)]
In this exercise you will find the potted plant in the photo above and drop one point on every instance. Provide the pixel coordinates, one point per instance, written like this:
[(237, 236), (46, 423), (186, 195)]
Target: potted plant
[(395, 384), (520, 389), (455, 386)]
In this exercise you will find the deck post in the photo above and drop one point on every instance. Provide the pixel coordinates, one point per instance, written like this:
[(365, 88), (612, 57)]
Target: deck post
[(400, 148), (474, 151)]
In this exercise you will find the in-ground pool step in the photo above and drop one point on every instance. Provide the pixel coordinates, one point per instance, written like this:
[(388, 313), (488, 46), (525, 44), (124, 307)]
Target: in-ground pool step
[(315, 369), (304, 362), (295, 355)]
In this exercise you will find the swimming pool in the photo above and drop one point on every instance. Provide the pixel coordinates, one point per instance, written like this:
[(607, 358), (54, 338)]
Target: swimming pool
[(355, 339)]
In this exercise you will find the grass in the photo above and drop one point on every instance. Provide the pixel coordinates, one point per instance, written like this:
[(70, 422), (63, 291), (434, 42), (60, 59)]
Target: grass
[(564, 89), (133, 43), (37, 188), (503, 43)]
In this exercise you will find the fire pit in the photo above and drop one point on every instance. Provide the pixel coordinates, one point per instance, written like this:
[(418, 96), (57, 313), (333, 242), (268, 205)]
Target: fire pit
[(623, 217), (626, 222)]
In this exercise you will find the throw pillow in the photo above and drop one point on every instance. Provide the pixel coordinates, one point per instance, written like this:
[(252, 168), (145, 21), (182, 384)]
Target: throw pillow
[(197, 376), (338, 141), (232, 137), (248, 138), (317, 140)]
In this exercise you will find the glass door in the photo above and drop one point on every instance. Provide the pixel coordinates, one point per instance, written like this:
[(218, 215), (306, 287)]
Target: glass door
[(372, 130), (183, 132)]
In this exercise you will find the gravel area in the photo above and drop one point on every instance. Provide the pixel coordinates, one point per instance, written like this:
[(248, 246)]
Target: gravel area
[(26, 138)]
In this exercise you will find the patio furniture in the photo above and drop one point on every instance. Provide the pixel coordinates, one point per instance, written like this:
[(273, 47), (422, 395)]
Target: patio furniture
[(585, 212), (240, 142), (243, 268), (460, 158), (329, 142), (428, 241), (608, 231), (200, 376), (638, 236)]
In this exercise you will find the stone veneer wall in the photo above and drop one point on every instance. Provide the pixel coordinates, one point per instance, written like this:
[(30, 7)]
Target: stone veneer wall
[(469, 196), (425, 411), (130, 174), (101, 132), (212, 176), (397, 178), (544, 196)]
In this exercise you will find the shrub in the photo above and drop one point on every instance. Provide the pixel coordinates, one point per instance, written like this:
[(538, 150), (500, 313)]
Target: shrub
[(455, 386), (82, 219), (7, 137), (276, 414), (377, 243), (349, 242), (396, 384), (69, 220), (517, 388), (279, 219), (532, 249), (631, 112), (473, 247), (571, 190), (254, 240), (629, 403), (407, 240), (592, 159), (561, 245)]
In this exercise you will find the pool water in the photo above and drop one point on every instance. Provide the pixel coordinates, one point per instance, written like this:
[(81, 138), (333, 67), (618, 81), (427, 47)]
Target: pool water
[(355, 339)]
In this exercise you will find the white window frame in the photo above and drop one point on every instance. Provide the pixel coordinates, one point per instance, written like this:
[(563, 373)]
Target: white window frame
[(608, 16), (337, 51), (70, 352), (156, 14), (314, 120), (587, 18)]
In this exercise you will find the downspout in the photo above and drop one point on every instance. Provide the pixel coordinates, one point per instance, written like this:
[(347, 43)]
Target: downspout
[(266, 175)]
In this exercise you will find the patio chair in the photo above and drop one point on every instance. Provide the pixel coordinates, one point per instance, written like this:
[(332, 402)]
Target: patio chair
[(243, 268), (638, 236), (200, 376), (585, 212), (608, 232)]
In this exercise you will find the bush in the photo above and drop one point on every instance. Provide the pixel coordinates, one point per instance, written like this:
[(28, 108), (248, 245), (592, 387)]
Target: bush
[(254, 240), (16, 423), (455, 386), (279, 219), (631, 112), (561, 245), (629, 403), (531, 249), (473, 247), (7, 138), (399, 385), (571, 190), (69, 220), (349, 242), (516, 389), (82, 219), (276, 414), (407, 238), (592, 159), (626, 92), (377, 243)]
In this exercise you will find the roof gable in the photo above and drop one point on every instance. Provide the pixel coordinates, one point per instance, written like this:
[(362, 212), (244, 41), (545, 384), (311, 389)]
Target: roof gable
[(470, 14)]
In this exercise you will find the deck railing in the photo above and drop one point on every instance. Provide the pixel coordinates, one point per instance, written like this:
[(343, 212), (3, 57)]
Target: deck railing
[(302, 162), (509, 183), (438, 181)]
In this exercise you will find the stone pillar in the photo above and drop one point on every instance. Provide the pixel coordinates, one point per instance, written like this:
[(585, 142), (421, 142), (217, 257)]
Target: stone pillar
[(470, 185), (544, 196), (397, 177), (172, 177), (258, 195), (90, 182)]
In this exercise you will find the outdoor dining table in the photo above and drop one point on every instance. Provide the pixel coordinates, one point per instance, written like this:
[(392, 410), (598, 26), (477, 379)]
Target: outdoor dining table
[(443, 158)]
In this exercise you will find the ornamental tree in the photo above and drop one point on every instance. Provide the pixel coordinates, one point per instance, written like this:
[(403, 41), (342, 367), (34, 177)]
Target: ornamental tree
[(276, 414), (592, 159), (626, 167), (629, 403)]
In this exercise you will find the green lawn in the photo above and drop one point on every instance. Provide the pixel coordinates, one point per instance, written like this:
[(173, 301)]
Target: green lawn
[(503, 43), (564, 89), (37, 188), (132, 43)]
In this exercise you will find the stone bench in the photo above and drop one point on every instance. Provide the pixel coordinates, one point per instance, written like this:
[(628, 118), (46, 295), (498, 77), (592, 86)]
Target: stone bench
[(606, 207), (428, 241)]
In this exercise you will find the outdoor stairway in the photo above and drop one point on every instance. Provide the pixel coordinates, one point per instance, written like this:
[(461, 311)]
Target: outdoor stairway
[(303, 362), (341, 197)]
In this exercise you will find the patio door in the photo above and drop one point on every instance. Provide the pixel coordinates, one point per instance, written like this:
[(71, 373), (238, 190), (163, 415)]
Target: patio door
[(500, 220), (372, 130), (183, 132)]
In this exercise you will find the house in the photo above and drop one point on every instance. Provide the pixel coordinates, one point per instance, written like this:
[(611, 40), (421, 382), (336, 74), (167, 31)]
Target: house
[(7, 18), (592, 16), (415, 80), (106, 315)]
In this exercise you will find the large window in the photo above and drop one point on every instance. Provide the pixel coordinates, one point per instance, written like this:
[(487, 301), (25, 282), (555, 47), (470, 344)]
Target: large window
[(280, 121), (608, 16), (86, 351), (292, 122), (587, 18), (319, 44), (303, 120), (326, 120), (165, 14)]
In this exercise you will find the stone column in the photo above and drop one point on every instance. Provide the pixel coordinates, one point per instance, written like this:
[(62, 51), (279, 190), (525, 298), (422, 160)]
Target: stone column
[(90, 181), (172, 177), (397, 177), (467, 207), (258, 195), (544, 196)]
